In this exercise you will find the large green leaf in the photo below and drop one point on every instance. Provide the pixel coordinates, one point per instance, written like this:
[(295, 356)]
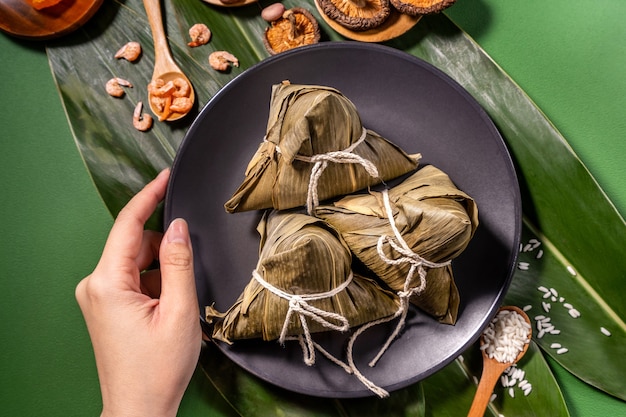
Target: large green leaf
[(590, 351), (578, 225), (563, 205), (461, 377), (252, 397)]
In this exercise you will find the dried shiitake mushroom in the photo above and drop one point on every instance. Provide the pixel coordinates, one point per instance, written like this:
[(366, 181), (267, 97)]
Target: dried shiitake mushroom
[(357, 15), (297, 27), (419, 7)]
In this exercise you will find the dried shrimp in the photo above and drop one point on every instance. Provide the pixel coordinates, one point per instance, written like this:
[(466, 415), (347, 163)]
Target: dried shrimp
[(114, 86), (141, 121), (221, 60), (130, 51), (200, 34)]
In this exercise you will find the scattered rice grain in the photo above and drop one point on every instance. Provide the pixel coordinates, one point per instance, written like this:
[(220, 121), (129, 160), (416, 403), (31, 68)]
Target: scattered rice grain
[(493, 397), (574, 313), (555, 345), (543, 289), (571, 270), (539, 254), (562, 351), (605, 331), (512, 392), (553, 291), (546, 306), (527, 307)]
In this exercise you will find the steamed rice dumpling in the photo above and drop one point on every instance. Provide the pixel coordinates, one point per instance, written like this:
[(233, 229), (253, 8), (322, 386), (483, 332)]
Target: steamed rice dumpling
[(304, 261), (434, 219), (315, 129)]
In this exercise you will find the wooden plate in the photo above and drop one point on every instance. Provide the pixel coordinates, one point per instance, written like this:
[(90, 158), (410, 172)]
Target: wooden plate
[(395, 25), (19, 18), (233, 3)]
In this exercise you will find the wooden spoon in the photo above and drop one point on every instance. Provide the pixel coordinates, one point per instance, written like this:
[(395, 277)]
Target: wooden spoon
[(492, 369), (164, 65)]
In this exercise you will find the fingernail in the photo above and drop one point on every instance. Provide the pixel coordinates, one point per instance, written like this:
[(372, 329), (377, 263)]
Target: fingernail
[(165, 172), (178, 232)]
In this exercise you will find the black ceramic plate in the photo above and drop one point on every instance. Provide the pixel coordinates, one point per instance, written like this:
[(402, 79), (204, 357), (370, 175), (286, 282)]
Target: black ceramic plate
[(410, 103)]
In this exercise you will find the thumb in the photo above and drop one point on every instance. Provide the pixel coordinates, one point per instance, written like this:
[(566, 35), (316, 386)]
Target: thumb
[(178, 286)]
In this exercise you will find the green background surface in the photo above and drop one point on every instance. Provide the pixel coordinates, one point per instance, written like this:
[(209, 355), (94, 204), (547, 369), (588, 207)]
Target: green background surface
[(569, 56)]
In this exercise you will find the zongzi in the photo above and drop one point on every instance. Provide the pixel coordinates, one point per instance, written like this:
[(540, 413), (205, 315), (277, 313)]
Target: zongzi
[(417, 226), (315, 148), (303, 283)]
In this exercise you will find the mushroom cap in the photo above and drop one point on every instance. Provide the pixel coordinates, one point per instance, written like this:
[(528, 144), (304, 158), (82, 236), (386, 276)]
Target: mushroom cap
[(419, 7), (357, 15), (282, 35)]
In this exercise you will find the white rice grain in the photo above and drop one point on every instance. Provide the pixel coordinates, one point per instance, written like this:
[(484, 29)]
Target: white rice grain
[(574, 313), (562, 351), (539, 254), (605, 331), (527, 307), (555, 345), (571, 270), (505, 336)]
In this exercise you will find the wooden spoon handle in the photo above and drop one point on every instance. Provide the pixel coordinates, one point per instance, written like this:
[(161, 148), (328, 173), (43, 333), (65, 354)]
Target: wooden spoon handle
[(488, 381), (163, 60)]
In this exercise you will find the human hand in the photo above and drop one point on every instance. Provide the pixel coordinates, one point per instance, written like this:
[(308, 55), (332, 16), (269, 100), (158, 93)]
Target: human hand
[(144, 327)]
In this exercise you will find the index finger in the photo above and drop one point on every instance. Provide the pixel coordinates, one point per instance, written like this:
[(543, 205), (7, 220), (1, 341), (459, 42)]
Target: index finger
[(124, 241)]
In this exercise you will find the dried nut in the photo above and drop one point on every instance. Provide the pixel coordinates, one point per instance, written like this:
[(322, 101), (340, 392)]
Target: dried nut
[(129, 52), (297, 27), (357, 15), (420, 7), (199, 34), (273, 12), (222, 60)]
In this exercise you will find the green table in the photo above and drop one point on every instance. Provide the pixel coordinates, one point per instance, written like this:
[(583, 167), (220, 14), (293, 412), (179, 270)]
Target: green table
[(571, 59)]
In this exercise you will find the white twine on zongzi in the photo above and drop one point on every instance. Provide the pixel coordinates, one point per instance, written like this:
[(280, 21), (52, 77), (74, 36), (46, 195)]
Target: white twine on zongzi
[(298, 304), (418, 264), (321, 161)]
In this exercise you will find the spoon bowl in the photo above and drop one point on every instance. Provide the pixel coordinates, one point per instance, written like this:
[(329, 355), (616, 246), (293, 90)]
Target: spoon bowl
[(493, 369), (165, 67)]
